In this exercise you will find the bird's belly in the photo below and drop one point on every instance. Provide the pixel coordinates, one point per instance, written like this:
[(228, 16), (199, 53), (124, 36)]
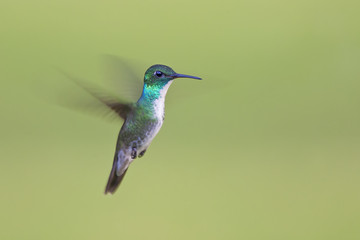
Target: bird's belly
[(149, 135), (140, 140)]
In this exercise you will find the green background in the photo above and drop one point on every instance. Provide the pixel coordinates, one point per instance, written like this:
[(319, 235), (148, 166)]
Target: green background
[(267, 146)]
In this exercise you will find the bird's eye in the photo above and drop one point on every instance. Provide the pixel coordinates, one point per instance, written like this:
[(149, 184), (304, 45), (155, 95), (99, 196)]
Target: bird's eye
[(159, 74)]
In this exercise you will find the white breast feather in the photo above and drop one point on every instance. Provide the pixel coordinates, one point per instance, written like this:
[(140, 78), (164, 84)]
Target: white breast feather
[(159, 104), (159, 108)]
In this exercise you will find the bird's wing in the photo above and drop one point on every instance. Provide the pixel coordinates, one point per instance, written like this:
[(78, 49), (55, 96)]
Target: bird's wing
[(118, 106), (122, 75)]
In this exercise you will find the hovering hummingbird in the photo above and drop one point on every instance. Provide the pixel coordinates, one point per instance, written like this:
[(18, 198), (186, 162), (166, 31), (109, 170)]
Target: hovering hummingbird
[(142, 120)]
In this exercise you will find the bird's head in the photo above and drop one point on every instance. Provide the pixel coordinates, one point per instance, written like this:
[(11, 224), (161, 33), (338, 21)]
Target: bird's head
[(160, 75)]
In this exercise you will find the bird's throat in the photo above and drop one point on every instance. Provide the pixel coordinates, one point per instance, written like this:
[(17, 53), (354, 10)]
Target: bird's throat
[(153, 97)]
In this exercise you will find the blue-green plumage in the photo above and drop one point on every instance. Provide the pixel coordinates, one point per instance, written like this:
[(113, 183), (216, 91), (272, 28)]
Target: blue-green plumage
[(143, 121)]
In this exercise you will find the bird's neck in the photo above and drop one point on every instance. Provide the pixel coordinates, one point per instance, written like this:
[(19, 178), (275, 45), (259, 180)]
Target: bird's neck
[(153, 98)]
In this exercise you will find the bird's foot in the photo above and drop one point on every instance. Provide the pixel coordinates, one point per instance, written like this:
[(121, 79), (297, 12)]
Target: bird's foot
[(133, 153), (142, 153)]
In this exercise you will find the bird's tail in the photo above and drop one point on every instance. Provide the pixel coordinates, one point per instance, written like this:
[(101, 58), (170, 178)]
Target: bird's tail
[(115, 177)]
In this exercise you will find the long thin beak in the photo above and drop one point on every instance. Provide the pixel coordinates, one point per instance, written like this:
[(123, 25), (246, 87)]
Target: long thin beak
[(177, 75)]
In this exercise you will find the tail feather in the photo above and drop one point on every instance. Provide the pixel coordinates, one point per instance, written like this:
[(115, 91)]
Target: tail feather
[(114, 180)]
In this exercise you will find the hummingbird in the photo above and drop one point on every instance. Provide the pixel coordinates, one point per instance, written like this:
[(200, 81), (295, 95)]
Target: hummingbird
[(142, 120)]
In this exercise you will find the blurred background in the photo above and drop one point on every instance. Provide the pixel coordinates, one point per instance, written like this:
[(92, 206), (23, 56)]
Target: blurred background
[(267, 146)]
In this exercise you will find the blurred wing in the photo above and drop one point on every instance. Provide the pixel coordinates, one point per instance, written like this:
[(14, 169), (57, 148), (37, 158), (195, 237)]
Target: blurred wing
[(122, 74), (121, 109), (117, 106)]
